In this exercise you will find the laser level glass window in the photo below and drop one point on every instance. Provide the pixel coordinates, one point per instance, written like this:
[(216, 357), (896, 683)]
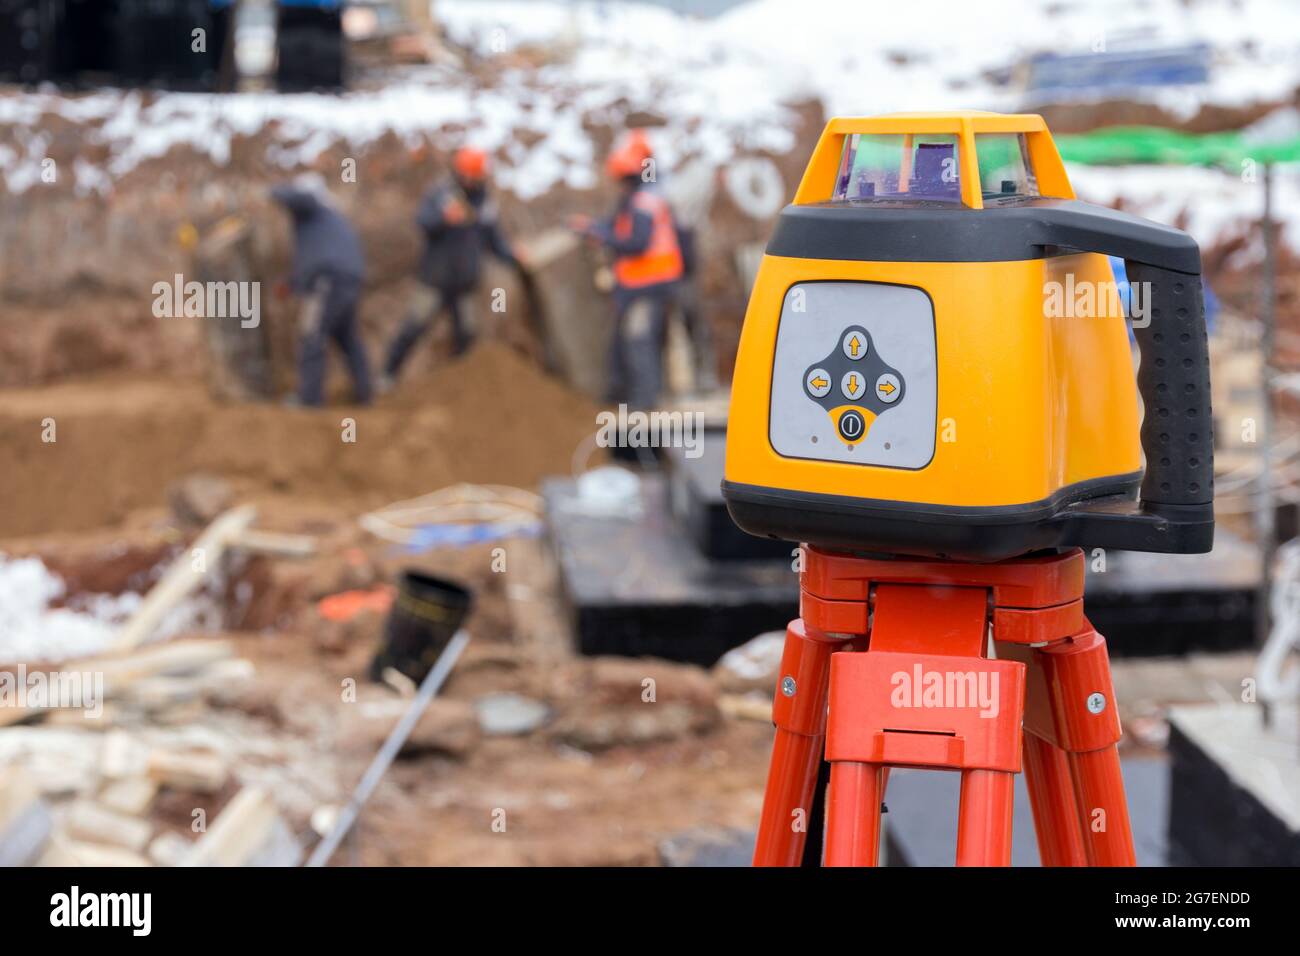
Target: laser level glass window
[(1006, 173), (909, 168)]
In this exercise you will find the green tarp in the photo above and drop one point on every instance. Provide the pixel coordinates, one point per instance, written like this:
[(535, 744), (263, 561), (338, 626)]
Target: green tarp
[(1128, 145)]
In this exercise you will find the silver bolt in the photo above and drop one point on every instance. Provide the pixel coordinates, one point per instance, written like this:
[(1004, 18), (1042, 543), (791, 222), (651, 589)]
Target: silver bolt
[(787, 685), (1096, 703)]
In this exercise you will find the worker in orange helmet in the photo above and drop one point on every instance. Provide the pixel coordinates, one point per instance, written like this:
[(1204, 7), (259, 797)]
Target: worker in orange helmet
[(642, 238), (686, 297), (459, 221)]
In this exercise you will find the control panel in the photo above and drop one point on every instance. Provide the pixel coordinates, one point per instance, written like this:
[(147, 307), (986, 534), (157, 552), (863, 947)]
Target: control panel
[(854, 379)]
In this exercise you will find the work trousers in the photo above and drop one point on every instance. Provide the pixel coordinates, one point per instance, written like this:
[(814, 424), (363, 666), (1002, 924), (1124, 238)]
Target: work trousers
[(329, 313), (426, 305), (636, 349)]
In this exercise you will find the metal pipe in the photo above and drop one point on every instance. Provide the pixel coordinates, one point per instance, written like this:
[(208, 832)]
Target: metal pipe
[(429, 687)]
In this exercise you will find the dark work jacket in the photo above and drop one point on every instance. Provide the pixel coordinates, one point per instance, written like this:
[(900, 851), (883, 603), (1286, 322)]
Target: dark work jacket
[(635, 243), (453, 252), (325, 244)]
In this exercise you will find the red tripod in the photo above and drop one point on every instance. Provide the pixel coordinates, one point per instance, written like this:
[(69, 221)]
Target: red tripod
[(889, 667)]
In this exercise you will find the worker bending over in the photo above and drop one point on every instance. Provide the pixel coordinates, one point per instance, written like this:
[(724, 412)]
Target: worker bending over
[(643, 240), (459, 221), (328, 268)]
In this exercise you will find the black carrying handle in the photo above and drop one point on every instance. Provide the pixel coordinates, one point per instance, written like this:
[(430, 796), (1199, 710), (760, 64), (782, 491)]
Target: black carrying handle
[(1175, 512), (1174, 381)]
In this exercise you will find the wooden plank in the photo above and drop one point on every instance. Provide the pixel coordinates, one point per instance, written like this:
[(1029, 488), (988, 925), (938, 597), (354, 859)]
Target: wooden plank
[(25, 822), (169, 849), (183, 577), (193, 770), (173, 659), (122, 756), (75, 718), (248, 832), (275, 544), (129, 795), (93, 823), (64, 851)]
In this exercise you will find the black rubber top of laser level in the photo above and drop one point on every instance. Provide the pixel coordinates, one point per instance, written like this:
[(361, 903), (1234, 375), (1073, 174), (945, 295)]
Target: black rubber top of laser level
[(873, 231)]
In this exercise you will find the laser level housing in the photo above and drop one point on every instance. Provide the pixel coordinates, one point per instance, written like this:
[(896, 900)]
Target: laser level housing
[(935, 359)]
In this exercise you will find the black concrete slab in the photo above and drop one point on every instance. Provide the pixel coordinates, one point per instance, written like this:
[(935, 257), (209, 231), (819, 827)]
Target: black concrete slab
[(695, 492), (637, 585), (1151, 605), (1235, 786)]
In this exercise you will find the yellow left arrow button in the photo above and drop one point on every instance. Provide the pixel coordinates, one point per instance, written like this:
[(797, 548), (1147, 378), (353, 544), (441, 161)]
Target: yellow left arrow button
[(818, 382)]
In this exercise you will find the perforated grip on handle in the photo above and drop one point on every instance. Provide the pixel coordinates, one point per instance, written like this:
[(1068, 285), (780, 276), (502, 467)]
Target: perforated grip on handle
[(1174, 381)]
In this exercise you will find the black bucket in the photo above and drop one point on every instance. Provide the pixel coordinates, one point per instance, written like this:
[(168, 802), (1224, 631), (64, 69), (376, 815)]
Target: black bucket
[(425, 615)]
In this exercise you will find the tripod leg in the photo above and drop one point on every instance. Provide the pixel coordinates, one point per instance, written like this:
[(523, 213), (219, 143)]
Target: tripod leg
[(1103, 808), (853, 814), (1084, 723), (1049, 779), (799, 712), (788, 799), (984, 818)]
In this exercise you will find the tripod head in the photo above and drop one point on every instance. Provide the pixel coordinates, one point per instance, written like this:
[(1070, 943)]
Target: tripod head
[(935, 360)]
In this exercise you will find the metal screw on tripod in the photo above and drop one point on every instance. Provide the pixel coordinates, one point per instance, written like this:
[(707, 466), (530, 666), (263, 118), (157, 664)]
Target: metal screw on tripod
[(1096, 703), (787, 685)]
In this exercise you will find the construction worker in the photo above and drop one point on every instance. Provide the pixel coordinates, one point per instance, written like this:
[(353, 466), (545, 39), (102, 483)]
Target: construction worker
[(328, 267), (642, 237), (459, 220), (686, 299)]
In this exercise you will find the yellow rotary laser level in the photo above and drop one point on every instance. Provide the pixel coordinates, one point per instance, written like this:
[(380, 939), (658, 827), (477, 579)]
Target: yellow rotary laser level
[(935, 359)]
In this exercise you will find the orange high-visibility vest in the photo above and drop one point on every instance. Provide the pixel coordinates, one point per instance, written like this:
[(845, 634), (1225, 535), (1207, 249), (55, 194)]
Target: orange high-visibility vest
[(662, 259)]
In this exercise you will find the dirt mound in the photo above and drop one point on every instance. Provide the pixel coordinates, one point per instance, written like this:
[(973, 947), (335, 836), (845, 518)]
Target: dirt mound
[(491, 417)]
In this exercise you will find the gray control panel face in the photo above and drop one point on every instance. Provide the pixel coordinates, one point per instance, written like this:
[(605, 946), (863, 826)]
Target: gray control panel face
[(854, 379)]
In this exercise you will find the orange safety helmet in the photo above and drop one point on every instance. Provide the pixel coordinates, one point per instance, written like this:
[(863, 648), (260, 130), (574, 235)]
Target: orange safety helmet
[(470, 163), (627, 158), (636, 140)]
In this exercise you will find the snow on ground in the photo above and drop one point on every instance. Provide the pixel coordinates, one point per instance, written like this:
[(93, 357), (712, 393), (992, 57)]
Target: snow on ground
[(875, 57), (722, 83), (30, 630), (136, 128)]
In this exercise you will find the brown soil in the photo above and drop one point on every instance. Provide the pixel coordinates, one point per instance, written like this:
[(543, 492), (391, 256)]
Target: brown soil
[(562, 806), (122, 441)]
